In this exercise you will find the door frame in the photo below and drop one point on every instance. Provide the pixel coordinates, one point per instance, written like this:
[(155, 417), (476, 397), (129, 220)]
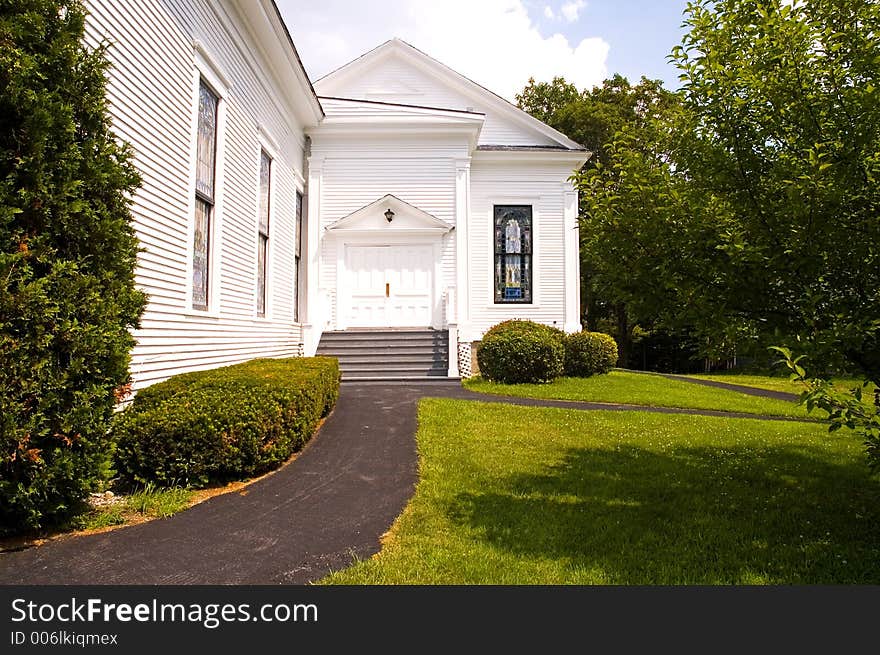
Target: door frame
[(343, 298)]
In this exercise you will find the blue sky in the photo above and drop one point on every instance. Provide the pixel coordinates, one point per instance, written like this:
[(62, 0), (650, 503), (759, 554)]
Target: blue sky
[(641, 33), (498, 43)]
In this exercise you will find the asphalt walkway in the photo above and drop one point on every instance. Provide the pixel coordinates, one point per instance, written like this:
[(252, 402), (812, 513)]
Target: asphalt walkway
[(315, 515)]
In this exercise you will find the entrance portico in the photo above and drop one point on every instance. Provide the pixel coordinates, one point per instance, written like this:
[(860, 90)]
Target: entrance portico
[(388, 259)]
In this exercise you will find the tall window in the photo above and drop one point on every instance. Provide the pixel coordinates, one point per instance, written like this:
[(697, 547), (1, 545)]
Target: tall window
[(205, 187), (263, 230), (513, 254), (297, 269)]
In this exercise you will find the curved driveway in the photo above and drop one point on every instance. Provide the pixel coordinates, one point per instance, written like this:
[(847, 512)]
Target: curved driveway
[(314, 515)]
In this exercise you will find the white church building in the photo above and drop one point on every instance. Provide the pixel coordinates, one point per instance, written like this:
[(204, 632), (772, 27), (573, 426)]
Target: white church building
[(390, 208)]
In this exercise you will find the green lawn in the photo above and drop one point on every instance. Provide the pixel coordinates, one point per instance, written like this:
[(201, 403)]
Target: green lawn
[(643, 389), (771, 382), (515, 495)]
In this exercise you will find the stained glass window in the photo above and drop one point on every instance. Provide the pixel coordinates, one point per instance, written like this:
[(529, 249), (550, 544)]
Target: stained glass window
[(206, 151), (297, 240), (263, 230), (200, 254), (513, 254)]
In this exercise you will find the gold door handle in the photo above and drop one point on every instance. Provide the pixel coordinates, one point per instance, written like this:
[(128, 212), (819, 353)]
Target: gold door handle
[(387, 289)]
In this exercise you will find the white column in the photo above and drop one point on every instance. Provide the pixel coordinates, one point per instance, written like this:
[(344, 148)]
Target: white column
[(313, 318), (572, 260), (462, 250)]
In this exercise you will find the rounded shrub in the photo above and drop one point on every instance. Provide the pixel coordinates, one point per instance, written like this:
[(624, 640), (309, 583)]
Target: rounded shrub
[(228, 423), (517, 351), (589, 353)]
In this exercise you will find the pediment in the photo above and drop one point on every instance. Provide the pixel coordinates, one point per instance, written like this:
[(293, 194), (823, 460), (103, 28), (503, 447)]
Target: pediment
[(405, 219), (397, 72)]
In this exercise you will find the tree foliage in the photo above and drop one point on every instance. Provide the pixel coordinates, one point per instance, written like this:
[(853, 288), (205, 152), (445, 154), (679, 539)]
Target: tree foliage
[(67, 258), (785, 133), (600, 118)]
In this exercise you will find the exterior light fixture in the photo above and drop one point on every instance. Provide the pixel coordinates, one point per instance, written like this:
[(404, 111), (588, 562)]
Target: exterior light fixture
[(389, 215)]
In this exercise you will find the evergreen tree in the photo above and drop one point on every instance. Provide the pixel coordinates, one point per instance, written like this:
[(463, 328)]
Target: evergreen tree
[(67, 257)]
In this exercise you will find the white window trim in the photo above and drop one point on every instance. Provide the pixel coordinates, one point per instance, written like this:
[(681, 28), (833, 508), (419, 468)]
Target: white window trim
[(273, 171), (534, 203), (297, 312), (205, 69)]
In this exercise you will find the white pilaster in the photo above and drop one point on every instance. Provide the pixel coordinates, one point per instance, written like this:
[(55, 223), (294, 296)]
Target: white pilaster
[(462, 250), (313, 323), (572, 260)]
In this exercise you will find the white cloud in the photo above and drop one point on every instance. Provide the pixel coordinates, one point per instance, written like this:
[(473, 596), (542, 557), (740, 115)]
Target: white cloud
[(548, 12), (571, 10), (493, 42)]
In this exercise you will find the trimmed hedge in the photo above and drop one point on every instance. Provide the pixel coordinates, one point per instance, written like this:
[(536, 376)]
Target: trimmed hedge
[(589, 353), (517, 351), (228, 423)]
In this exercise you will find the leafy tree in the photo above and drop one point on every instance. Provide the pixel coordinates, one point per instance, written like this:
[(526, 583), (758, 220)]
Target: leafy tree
[(596, 118), (785, 100), (67, 259), (544, 99)]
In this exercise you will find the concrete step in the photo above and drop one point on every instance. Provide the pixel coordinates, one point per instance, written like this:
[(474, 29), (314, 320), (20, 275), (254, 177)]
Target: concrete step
[(395, 335), (380, 351), (388, 355), (400, 380), (384, 371), (390, 358)]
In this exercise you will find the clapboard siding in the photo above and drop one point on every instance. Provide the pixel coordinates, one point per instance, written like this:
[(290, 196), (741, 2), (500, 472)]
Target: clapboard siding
[(152, 104), (542, 187), (395, 79), (357, 172)]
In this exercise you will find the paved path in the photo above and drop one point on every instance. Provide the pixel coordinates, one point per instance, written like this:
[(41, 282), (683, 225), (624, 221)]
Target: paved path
[(314, 515), (750, 391)]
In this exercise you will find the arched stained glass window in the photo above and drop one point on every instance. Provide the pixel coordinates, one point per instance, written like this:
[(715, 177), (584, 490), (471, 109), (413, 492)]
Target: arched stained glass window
[(513, 254)]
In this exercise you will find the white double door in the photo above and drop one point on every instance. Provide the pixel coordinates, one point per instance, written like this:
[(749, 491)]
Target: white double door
[(388, 286)]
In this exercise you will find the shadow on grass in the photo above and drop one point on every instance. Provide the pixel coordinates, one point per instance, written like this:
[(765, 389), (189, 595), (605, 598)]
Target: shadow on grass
[(691, 516)]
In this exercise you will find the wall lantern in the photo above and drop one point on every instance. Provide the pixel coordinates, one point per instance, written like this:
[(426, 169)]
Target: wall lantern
[(389, 215)]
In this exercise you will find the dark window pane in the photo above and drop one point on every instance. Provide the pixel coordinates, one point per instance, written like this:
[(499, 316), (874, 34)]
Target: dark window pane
[(513, 249), (297, 268), (201, 253), (296, 290), (262, 255), (298, 237), (206, 142), (265, 182)]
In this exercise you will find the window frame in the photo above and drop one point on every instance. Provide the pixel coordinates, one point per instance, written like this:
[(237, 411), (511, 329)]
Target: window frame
[(298, 224), (202, 198), (494, 299), (206, 72), (264, 238)]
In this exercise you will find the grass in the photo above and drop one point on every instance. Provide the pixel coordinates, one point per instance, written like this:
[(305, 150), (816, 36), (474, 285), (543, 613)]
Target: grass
[(771, 382), (137, 506), (515, 495), (142, 504), (640, 389)]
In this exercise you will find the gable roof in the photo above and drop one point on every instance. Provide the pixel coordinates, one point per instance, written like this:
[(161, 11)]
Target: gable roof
[(450, 78), (407, 218), (265, 23)]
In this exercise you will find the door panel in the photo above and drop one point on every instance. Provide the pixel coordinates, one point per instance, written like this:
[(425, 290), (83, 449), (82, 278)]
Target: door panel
[(389, 286)]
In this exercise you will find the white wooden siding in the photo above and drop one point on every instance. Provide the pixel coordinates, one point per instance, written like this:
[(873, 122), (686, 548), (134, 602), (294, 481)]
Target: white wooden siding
[(357, 172), (539, 185), (394, 79), (150, 89)]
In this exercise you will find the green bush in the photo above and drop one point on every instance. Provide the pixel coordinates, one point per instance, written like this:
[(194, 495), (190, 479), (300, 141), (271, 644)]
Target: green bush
[(589, 353), (67, 257), (517, 351), (228, 423)]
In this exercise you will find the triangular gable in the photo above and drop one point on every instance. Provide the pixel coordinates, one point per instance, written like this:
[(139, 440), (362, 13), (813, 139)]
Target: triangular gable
[(397, 63), (406, 218)]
